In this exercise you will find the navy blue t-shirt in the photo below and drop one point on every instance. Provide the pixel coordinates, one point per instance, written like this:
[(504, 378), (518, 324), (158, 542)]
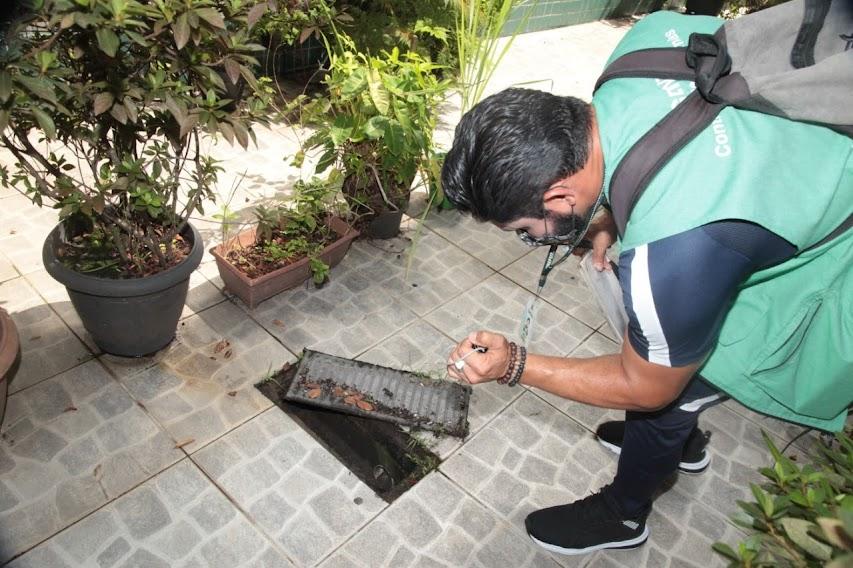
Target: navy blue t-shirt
[(678, 290)]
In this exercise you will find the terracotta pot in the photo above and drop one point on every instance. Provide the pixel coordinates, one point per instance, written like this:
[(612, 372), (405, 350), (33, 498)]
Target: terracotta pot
[(10, 356), (132, 317), (253, 291)]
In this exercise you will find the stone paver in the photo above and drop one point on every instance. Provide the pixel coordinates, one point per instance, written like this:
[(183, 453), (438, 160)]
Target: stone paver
[(48, 346), (23, 229), (437, 524), (202, 386), (69, 445), (497, 304), (178, 518), (298, 493)]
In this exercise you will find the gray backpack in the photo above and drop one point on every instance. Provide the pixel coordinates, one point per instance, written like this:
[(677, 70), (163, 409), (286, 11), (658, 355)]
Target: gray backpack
[(794, 60)]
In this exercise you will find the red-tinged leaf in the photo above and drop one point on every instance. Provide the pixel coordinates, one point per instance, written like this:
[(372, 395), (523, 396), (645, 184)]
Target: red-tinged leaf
[(98, 204), (220, 346), (132, 110), (71, 409), (103, 102), (278, 322), (227, 132), (119, 113), (365, 406), (232, 69), (306, 33), (314, 393), (256, 13), (241, 133), (183, 443), (232, 393), (181, 29), (188, 124), (177, 111), (212, 17), (351, 400), (228, 354), (338, 392)]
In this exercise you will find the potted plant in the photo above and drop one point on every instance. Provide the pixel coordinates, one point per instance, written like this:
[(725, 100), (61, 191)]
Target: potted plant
[(289, 243), (375, 125), (104, 103), (10, 356)]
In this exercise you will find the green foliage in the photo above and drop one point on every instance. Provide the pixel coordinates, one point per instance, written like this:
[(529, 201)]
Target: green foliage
[(294, 21), (376, 124), (297, 228), (735, 8), (803, 516), (121, 92)]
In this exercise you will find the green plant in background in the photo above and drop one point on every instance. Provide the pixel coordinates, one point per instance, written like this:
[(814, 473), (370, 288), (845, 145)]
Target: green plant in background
[(375, 127), (290, 231), (735, 8), (803, 516), (104, 102)]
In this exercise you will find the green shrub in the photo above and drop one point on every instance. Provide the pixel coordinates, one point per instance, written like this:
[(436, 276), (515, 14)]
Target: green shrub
[(803, 516)]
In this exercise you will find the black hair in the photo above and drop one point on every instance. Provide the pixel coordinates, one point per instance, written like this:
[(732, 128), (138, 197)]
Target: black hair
[(510, 148)]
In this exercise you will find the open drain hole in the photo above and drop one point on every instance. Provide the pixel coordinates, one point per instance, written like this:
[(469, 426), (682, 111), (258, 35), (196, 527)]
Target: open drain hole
[(381, 454)]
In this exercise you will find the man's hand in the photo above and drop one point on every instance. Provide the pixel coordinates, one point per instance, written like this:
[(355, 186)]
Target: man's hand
[(602, 234), (479, 367)]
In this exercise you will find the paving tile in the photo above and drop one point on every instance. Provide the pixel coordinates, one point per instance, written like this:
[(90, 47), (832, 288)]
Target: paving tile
[(483, 241), (565, 288), (297, 493), (48, 346), (351, 313), (497, 305), (23, 229), (156, 526), (69, 445), (56, 295), (437, 524), (7, 269), (422, 348), (202, 294), (202, 386)]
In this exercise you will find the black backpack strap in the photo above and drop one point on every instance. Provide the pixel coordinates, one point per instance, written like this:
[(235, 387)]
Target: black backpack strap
[(653, 63), (653, 150)]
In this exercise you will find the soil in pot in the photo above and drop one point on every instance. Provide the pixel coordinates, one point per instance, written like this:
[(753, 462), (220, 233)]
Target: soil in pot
[(130, 317), (258, 259)]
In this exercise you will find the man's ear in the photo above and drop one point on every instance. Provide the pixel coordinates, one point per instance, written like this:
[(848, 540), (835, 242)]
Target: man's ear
[(559, 199)]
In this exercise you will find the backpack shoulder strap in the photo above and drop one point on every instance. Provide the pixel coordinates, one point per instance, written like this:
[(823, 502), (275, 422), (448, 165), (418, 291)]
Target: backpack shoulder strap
[(653, 150), (653, 63)]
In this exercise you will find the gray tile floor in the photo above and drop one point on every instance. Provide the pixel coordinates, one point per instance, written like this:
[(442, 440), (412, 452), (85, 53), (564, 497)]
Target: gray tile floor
[(176, 460)]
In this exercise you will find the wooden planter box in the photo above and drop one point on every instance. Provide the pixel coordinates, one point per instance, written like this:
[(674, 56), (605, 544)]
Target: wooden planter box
[(253, 291)]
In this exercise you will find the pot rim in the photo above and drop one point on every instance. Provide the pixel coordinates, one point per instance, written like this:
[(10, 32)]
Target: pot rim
[(115, 288), (10, 344)]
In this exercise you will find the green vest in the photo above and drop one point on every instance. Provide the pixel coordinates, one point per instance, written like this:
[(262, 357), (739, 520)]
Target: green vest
[(786, 346)]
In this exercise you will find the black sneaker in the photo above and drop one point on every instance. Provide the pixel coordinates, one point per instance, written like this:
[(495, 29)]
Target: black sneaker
[(694, 457), (593, 523)]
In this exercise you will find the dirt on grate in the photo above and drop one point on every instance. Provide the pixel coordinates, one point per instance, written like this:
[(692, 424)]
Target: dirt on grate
[(381, 454)]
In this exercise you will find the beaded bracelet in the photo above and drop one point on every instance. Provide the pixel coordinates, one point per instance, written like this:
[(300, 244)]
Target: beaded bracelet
[(522, 359), (513, 352)]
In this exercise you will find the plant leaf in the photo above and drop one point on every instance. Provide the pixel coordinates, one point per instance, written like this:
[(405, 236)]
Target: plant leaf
[(240, 133), (833, 529), (798, 531), (5, 86), (375, 127), (119, 113), (394, 137), (378, 92), (232, 69), (181, 29), (107, 41), (39, 87), (212, 17), (45, 122), (255, 14), (103, 102), (725, 550)]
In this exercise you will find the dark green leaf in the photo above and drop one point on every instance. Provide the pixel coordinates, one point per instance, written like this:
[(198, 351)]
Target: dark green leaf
[(119, 113), (41, 88), (798, 531), (725, 550), (240, 133), (4, 119), (394, 137), (45, 122), (107, 41), (375, 127), (5, 86)]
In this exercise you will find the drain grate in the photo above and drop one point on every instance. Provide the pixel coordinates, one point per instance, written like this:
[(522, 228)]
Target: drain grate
[(382, 455), (364, 389)]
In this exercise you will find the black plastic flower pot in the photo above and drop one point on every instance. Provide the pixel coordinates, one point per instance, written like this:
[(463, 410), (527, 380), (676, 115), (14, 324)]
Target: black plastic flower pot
[(133, 317), (385, 225)]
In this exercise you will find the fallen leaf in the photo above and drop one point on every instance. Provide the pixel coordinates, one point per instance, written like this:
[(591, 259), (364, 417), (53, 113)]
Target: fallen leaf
[(228, 354), (279, 323), (339, 392), (183, 443), (314, 393), (71, 409), (12, 232), (35, 338), (311, 385), (232, 393), (140, 405), (365, 406), (212, 357), (220, 346), (350, 400), (97, 472)]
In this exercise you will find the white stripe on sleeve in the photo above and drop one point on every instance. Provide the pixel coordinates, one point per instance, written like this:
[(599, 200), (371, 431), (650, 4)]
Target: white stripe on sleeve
[(644, 307)]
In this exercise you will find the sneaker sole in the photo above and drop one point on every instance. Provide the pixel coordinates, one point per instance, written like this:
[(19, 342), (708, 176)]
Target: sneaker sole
[(684, 467), (622, 545)]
